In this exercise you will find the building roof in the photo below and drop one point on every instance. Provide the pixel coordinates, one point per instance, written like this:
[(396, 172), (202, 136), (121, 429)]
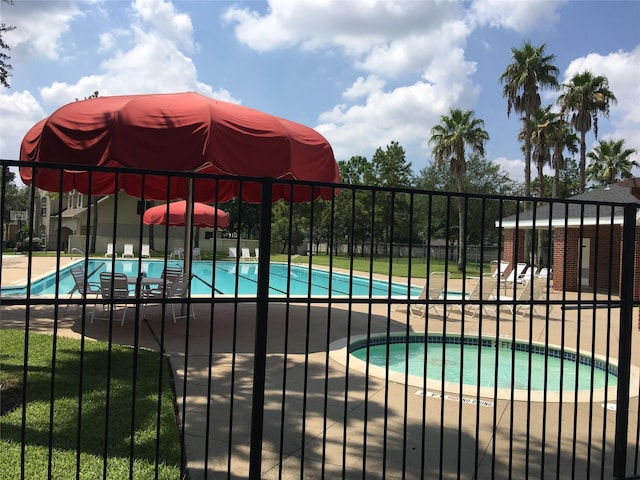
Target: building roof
[(583, 209)]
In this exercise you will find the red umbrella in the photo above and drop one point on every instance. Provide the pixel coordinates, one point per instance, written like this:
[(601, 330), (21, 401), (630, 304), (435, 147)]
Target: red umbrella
[(203, 215), (181, 132)]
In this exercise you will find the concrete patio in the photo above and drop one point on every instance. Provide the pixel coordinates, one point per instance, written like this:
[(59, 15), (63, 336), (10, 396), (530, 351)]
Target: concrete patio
[(338, 421)]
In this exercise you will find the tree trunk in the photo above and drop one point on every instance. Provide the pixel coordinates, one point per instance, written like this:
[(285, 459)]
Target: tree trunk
[(583, 161), (527, 158), (462, 237)]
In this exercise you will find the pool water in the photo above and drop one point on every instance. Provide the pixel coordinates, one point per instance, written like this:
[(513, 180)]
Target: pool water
[(231, 279), (513, 366)]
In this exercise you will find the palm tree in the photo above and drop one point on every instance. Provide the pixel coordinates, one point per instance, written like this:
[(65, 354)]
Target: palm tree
[(531, 70), (562, 138), (449, 138), (610, 162), (541, 122), (583, 98)]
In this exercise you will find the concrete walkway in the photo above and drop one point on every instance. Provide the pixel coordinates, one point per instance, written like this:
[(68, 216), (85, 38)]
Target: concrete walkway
[(337, 420)]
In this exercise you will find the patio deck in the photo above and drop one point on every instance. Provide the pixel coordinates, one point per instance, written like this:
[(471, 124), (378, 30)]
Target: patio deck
[(395, 417)]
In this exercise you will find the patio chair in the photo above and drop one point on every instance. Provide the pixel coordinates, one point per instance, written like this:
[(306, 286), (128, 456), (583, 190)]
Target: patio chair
[(432, 290), (180, 290), (177, 253), (110, 251), (233, 252), (195, 255), (163, 289), (113, 286), (144, 252), (82, 286), (128, 250)]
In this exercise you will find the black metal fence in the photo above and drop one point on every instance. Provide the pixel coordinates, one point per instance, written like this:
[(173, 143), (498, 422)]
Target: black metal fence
[(338, 365)]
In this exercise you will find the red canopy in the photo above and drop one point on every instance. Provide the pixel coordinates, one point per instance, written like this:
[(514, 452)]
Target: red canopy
[(182, 132), (203, 215)]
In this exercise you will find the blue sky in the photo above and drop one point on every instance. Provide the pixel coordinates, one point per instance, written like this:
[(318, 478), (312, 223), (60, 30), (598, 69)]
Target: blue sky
[(362, 72)]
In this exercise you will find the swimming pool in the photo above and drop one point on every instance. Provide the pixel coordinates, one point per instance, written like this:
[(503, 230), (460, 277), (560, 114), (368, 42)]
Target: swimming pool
[(435, 355), (230, 279)]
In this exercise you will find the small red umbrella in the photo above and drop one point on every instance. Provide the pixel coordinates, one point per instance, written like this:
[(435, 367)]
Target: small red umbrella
[(203, 215)]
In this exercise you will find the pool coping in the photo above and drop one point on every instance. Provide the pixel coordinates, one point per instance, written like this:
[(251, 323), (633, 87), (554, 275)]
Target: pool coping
[(339, 352)]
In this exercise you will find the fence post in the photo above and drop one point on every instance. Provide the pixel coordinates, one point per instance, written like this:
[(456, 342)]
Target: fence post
[(624, 347), (260, 350)]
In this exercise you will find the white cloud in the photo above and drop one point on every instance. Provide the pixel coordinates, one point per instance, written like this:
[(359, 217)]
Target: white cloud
[(625, 115), (412, 54), (150, 61), (520, 16), (382, 37), (18, 113), (163, 18), (514, 168), (39, 27), (404, 114)]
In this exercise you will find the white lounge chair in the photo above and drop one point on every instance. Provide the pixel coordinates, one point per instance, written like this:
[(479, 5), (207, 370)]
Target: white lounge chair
[(257, 253), (196, 254), (499, 268), (128, 250), (246, 255), (431, 291), (109, 252), (144, 252), (233, 252), (178, 253), (517, 273)]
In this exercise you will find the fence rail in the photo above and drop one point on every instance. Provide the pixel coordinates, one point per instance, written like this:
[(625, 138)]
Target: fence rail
[(382, 355)]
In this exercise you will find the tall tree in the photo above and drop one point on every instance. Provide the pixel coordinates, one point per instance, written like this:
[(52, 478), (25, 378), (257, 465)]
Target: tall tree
[(541, 122), (584, 98), (561, 138), (449, 138), (4, 58), (531, 69), (610, 162)]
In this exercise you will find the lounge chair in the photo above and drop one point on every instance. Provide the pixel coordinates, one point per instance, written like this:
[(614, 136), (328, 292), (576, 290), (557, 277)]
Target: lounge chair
[(257, 254), (177, 253), (516, 274), (113, 286), (246, 255), (462, 296), (432, 290), (110, 251), (144, 252), (233, 252), (196, 254), (128, 250), (486, 290), (499, 268)]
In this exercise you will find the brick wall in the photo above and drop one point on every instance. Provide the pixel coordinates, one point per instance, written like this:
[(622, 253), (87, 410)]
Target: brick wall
[(513, 240)]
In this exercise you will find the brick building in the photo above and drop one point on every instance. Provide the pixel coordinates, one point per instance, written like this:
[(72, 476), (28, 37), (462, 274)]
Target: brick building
[(585, 238)]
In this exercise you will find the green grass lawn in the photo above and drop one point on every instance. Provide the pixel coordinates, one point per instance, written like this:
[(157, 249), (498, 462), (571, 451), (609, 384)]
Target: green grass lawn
[(399, 266), (105, 421)]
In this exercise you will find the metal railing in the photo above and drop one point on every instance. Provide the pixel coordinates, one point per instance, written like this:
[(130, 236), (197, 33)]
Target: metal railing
[(281, 366)]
